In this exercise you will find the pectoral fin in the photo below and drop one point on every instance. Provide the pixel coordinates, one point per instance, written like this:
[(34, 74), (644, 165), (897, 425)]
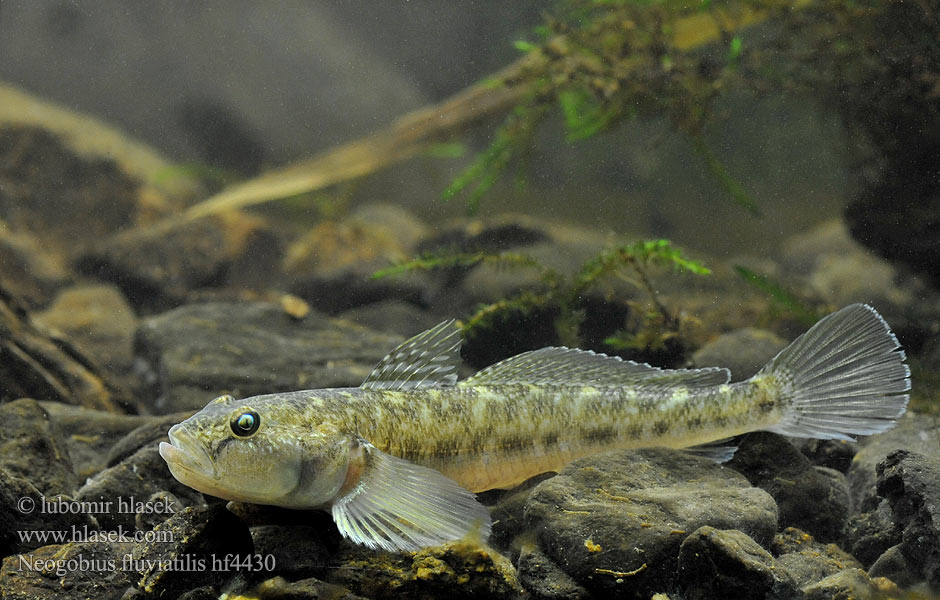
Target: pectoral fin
[(397, 505)]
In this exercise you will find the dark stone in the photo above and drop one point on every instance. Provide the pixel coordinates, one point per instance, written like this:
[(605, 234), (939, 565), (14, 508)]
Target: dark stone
[(614, 522), (135, 480), (35, 365), (220, 135), (871, 533), (157, 267), (65, 572), (913, 432), (771, 463), (507, 510), (298, 550), (345, 289), (30, 448), (911, 484), (545, 580), (191, 540), (834, 454), (392, 316), (477, 237), (715, 563), (200, 351), (22, 511), (899, 216)]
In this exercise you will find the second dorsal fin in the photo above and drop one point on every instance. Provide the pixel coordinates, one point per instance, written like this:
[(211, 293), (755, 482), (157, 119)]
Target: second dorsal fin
[(569, 366)]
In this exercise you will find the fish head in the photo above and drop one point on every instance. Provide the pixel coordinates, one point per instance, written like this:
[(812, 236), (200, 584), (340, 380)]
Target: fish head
[(251, 451)]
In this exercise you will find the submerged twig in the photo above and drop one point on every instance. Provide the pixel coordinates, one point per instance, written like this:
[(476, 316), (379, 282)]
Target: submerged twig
[(414, 132)]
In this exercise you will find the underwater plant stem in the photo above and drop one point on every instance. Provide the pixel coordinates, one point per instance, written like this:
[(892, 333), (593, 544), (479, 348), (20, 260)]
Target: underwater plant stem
[(412, 133), (406, 137)]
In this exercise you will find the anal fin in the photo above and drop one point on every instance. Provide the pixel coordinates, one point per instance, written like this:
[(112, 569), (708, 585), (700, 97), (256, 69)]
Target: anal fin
[(720, 451)]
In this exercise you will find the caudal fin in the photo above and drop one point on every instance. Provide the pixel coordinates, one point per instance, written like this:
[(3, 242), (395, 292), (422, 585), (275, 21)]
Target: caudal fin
[(846, 375)]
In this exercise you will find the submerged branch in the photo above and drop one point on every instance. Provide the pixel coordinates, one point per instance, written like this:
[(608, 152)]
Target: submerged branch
[(411, 134)]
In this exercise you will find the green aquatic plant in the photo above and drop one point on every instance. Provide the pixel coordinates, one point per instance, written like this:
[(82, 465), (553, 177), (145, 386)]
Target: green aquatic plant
[(561, 297), (784, 298), (603, 62)]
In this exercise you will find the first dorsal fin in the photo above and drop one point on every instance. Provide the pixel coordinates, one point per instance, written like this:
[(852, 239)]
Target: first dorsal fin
[(569, 366), (429, 359)]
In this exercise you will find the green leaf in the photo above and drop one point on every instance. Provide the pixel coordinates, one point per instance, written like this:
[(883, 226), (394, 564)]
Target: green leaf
[(781, 295)]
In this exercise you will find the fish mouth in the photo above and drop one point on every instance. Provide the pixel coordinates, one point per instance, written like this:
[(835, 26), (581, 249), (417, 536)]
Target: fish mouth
[(186, 453)]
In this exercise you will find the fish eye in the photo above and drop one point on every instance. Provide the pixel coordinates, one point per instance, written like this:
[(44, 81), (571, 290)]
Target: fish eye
[(246, 423)]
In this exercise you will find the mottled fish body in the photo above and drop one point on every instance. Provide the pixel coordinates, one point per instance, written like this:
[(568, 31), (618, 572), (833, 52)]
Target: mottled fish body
[(396, 459)]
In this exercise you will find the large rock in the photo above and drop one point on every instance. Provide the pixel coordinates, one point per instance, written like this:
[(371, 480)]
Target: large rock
[(278, 588), (911, 484), (331, 266), (60, 196), (615, 522), (771, 463), (715, 563), (28, 517), (913, 432), (200, 351), (544, 579), (189, 550)]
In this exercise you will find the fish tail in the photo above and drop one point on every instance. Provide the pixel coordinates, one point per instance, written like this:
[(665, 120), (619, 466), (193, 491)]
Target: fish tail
[(844, 376)]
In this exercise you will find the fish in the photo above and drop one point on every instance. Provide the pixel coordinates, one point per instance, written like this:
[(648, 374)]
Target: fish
[(397, 461)]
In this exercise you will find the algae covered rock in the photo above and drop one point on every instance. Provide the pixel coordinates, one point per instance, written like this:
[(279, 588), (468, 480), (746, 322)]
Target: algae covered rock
[(68, 571), (457, 571), (807, 560), (615, 522), (544, 579)]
